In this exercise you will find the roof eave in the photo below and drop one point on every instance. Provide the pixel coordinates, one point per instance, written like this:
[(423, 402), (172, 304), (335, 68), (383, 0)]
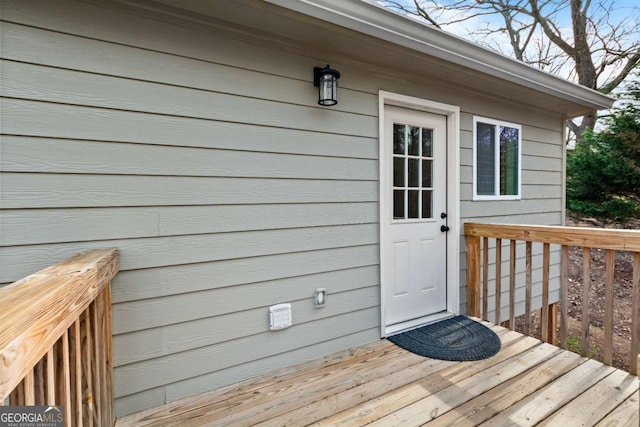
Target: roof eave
[(375, 21)]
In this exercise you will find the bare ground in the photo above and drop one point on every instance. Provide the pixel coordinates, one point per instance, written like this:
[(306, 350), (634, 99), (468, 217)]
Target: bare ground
[(622, 300)]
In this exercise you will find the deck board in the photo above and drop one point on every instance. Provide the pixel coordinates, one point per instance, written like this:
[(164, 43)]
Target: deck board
[(625, 415), (597, 401), (537, 406), (527, 383), (485, 406)]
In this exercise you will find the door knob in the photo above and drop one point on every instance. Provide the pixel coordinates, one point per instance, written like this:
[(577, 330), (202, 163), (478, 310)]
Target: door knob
[(443, 215), (444, 228)]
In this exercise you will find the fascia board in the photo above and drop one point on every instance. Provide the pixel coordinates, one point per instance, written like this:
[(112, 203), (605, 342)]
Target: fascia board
[(375, 21)]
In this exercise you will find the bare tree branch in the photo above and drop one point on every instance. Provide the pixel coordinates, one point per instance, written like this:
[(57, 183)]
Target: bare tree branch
[(580, 39), (632, 64)]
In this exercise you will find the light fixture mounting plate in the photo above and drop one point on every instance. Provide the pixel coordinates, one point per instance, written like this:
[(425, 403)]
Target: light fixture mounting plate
[(319, 72)]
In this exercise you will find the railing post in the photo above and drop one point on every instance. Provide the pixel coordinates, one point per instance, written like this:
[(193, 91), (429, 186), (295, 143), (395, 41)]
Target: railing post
[(512, 284), (57, 353), (498, 286), (635, 315), (528, 287), (586, 290), (564, 299), (473, 276), (545, 326), (608, 311)]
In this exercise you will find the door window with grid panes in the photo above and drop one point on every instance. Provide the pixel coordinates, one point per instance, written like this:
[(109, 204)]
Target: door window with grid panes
[(412, 172)]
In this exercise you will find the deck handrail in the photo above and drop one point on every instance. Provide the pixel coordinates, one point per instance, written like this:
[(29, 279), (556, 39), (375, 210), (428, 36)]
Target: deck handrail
[(611, 240), (55, 338)]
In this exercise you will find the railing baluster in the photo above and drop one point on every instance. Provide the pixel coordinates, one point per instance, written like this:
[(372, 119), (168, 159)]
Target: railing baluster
[(527, 298), (17, 395), (107, 343), (87, 383), (512, 285), (586, 289), (51, 377), (485, 278), (544, 312), (96, 372), (29, 390), (635, 316), (473, 276), (564, 300), (498, 280), (608, 311), (77, 356), (65, 380), (38, 383)]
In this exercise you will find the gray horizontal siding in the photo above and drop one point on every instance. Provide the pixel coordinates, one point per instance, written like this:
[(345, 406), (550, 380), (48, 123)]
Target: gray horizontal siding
[(95, 56), (194, 42), (190, 249), (178, 42), (224, 195), (79, 88), (93, 224), (24, 117), (39, 190), (151, 373), (175, 280), (172, 309), (207, 161), (74, 156), (198, 325)]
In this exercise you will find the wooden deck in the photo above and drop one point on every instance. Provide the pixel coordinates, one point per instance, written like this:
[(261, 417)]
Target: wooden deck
[(527, 383)]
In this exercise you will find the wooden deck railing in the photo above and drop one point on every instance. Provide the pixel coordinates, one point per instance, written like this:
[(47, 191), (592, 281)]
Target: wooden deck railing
[(478, 235), (55, 339)]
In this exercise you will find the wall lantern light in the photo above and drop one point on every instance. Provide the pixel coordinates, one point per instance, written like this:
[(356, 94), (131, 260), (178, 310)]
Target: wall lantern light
[(326, 80)]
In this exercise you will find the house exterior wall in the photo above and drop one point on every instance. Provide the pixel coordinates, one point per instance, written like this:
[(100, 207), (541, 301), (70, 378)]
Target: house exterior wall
[(207, 162), (542, 202)]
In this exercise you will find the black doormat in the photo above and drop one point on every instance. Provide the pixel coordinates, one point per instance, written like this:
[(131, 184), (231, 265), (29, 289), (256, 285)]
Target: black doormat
[(457, 338)]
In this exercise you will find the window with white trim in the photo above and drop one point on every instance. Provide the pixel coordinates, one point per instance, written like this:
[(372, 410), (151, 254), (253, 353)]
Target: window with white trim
[(496, 160)]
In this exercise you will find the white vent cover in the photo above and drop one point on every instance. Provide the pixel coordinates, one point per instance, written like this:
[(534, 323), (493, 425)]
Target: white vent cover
[(280, 316)]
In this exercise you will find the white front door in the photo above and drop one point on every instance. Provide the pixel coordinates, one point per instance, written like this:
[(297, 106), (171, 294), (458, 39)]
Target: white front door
[(413, 216)]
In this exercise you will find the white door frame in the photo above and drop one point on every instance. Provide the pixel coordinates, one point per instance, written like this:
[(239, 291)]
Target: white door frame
[(452, 112)]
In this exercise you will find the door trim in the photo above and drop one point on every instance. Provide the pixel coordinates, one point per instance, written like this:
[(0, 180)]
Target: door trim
[(452, 113)]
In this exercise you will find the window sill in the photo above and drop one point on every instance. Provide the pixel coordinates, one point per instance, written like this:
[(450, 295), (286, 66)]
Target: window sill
[(496, 198)]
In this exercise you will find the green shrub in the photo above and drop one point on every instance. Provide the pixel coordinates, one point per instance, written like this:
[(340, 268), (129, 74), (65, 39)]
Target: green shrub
[(603, 172)]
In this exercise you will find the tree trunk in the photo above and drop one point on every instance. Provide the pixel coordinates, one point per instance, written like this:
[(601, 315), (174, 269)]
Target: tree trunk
[(588, 122)]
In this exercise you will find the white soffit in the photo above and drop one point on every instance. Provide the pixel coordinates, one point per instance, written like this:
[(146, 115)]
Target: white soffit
[(381, 23)]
